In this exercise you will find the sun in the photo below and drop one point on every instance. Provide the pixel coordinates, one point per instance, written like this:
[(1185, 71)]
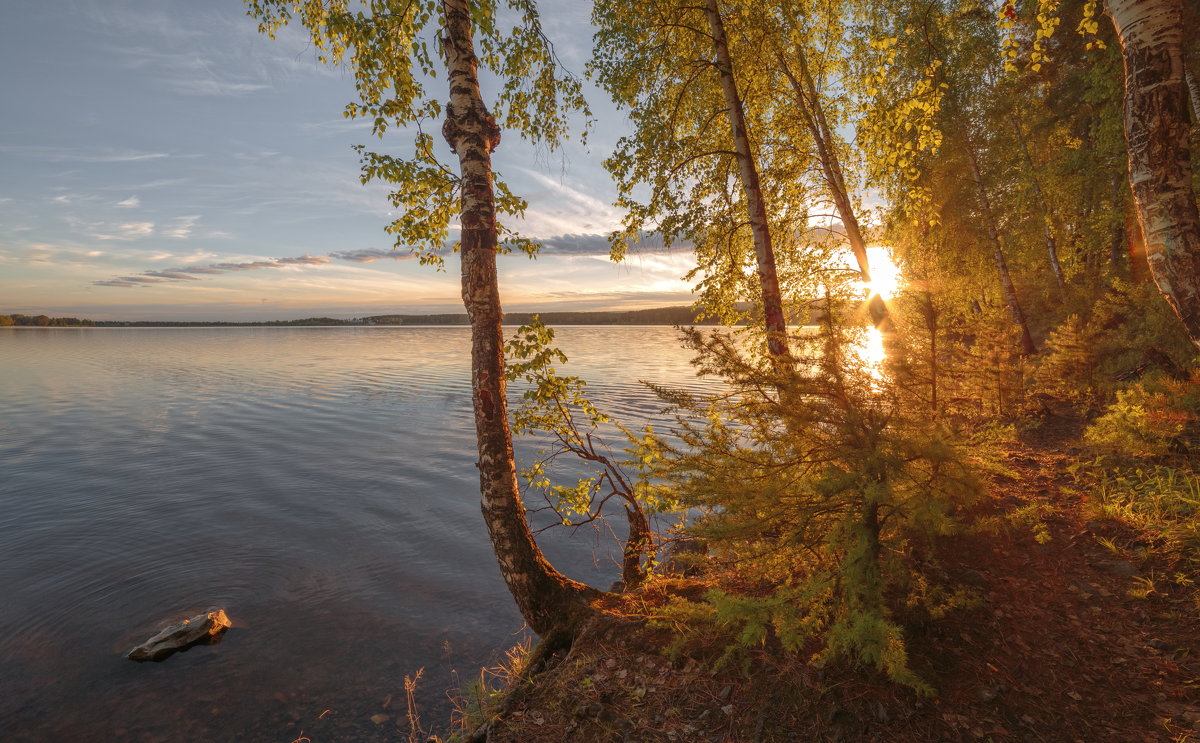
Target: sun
[(886, 280)]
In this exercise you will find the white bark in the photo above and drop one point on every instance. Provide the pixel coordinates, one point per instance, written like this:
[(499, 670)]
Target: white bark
[(1160, 164)]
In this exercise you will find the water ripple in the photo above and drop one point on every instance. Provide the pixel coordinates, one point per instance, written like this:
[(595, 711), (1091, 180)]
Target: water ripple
[(318, 482)]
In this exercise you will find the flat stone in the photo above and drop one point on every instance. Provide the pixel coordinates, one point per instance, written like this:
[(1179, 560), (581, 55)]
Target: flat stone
[(1124, 569), (201, 629)]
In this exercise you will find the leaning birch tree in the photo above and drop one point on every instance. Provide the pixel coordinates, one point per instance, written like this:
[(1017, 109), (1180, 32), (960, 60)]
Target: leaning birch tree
[(395, 48)]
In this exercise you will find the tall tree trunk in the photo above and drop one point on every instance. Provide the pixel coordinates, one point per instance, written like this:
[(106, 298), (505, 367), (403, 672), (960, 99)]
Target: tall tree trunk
[(1193, 87), (1160, 162), (1118, 259), (1006, 282), (811, 109), (548, 601), (1042, 207), (777, 343)]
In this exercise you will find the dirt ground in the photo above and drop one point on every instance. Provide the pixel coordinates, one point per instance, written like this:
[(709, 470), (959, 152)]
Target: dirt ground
[(1070, 640)]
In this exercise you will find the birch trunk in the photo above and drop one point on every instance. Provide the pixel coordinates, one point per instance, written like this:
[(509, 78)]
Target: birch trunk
[(777, 344), (1006, 283), (815, 121), (548, 601), (1160, 162), (1193, 87)]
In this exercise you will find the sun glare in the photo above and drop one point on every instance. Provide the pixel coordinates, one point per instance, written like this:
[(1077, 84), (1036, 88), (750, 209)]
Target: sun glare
[(873, 352), (885, 276)]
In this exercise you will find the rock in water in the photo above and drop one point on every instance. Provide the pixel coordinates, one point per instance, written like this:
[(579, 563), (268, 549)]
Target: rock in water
[(200, 629)]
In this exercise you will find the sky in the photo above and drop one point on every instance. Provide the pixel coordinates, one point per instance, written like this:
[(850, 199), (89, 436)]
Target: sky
[(160, 159)]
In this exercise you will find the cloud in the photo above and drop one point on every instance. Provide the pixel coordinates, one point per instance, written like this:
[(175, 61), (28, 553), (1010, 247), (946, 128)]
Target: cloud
[(130, 231), (600, 245), (304, 260), (177, 275), (254, 265), (129, 203), (144, 185), (191, 273), (370, 255), (212, 87), (82, 154), (182, 227), (118, 230)]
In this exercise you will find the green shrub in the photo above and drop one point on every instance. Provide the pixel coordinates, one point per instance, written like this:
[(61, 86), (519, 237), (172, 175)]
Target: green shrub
[(814, 487), (1153, 417)]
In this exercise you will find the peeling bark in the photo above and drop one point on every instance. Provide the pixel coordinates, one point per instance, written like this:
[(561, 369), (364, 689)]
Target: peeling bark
[(549, 601), (1006, 283), (776, 325), (1193, 87), (1160, 163)]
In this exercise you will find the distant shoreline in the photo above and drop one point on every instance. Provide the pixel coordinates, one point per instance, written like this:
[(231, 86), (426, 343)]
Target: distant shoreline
[(679, 315)]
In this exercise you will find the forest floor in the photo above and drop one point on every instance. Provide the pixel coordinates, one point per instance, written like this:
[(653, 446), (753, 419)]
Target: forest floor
[(1090, 635)]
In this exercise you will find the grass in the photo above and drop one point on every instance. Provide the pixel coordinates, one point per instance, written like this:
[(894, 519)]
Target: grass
[(1161, 500), (480, 698)]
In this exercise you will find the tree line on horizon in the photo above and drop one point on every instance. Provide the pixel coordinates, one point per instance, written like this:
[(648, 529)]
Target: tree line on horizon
[(678, 315)]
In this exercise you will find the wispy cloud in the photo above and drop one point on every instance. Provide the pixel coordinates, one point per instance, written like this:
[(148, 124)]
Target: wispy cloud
[(191, 273), (181, 229), (370, 255), (115, 282), (204, 52), (118, 230), (50, 254), (129, 203), (601, 245), (83, 154), (144, 185), (176, 275), (336, 126), (304, 260)]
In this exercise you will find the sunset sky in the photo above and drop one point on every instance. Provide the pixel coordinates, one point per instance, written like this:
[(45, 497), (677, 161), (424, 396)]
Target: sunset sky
[(160, 159)]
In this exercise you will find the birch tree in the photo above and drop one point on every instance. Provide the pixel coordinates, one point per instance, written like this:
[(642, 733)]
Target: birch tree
[(1151, 33), (699, 167), (395, 48)]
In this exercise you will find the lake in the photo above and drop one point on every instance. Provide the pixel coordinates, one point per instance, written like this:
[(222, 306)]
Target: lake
[(318, 483)]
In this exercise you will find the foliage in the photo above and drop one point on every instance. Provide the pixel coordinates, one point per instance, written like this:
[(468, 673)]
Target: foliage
[(1154, 417), (391, 46), (1068, 366), (1145, 472), (677, 173), (814, 491), (557, 408), (43, 321)]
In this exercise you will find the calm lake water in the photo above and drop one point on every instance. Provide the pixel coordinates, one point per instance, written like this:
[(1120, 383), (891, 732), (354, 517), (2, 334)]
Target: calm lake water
[(318, 483)]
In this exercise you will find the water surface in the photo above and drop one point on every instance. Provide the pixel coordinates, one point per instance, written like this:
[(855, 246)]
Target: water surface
[(318, 483)]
